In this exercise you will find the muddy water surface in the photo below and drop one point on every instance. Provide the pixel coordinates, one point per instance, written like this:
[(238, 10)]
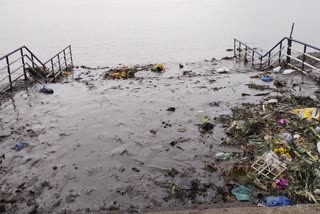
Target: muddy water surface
[(100, 145)]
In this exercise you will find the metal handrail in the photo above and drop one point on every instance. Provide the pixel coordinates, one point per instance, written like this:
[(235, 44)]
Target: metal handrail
[(274, 47), (44, 68), (268, 56), (68, 47)]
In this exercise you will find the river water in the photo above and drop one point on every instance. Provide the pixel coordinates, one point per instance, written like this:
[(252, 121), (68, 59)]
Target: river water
[(149, 31)]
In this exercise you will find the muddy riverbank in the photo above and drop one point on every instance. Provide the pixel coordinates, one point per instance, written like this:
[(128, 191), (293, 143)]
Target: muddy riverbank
[(100, 146)]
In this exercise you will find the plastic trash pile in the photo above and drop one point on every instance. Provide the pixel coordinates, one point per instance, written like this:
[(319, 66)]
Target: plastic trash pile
[(280, 139)]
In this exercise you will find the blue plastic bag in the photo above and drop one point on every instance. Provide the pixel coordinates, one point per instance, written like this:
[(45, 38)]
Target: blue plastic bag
[(276, 201), (21, 145), (267, 79)]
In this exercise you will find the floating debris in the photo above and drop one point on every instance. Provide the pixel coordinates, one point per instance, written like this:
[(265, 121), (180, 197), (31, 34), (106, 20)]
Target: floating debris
[(158, 68), (120, 73)]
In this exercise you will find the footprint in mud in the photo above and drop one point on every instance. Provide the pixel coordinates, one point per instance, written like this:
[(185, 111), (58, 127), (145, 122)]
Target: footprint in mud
[(88, 191), (93, 171), (118, 139)]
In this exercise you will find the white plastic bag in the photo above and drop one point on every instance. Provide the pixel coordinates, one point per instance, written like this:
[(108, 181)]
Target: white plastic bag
[(288, 71)]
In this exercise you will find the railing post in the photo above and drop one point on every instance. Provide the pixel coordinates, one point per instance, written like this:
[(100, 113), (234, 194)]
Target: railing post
[(32, 61), (45, 73), (59, 65), (260, 62), (289, 50), (246, 54), (234, 48), (304, 57), (65, 59), (280, 52), (239, 50), (52, 67), (253, 57), (71, 55), (24, 67), (269, 58), (9, 73)]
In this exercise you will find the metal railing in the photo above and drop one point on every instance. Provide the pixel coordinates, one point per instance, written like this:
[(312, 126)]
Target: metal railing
[(58, 63), (281, 52), (22, 63)]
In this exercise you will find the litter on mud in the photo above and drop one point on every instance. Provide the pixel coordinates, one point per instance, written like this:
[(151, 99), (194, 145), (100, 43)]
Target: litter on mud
[(46, 90), (280, 139)]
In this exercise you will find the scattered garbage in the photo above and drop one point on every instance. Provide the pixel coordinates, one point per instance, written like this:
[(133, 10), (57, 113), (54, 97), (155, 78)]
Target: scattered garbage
[(223, 70), (288, 71), (267, 79), (223, 156), (120, 73), (272, 101), (282, 183), (276, 201), (280, 83), (317, 192), (261, 94), (307, 113), (20, 145), (287, 136), (280, 150), (245, 94), (206, 127), (173, 109), (277, 69), (67, 73), (282, 122), (258, 87), (158, 68), (189, 73), (242, 193), (46, 90), (269, 165)]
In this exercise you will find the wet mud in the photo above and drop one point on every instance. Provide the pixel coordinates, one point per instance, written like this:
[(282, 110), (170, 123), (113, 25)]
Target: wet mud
[(101, 146)]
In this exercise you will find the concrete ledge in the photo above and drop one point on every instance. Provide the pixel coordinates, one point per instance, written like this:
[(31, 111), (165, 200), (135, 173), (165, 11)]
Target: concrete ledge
[(307, 209)]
